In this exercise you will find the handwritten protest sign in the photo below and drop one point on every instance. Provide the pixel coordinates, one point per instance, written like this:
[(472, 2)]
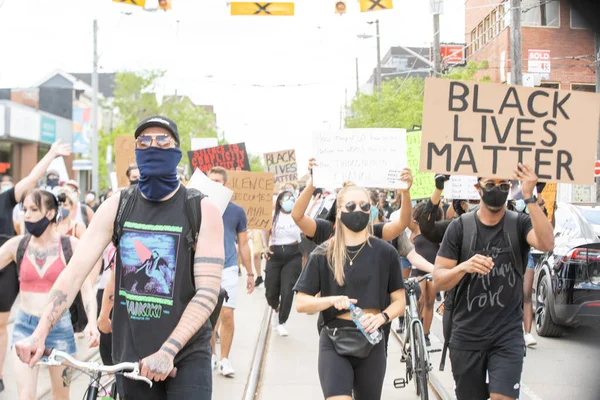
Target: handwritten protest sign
[(232, 157), (461, 187), (217, 193), (485, 129), (549, 196), (283, 165), (58, 165), (124, 157), (423, 183), (254, 192), (368, 157)]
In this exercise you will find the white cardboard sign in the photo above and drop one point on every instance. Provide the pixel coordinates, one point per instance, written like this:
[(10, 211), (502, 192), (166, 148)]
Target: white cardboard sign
[(372, 157), (218, 194), (58, 165), (461, 187)]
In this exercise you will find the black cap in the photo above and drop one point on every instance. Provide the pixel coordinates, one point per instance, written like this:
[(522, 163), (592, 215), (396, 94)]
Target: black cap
[(158, 121)]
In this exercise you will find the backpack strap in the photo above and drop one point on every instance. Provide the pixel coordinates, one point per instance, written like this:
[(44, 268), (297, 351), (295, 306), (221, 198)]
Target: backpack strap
[(126, 202), (21, 251), (511, 236), (469, 236), (84, 214), (193, 214), (67, 249)]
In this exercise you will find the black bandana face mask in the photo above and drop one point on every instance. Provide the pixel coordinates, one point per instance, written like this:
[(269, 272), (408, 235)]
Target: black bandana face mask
[(356, 221), (493, 198)]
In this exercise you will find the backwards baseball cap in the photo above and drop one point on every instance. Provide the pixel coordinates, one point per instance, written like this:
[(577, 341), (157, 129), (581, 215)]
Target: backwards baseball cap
[(158, 121)]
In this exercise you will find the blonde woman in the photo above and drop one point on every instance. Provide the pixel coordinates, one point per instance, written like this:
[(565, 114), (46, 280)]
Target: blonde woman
[(353, 267)]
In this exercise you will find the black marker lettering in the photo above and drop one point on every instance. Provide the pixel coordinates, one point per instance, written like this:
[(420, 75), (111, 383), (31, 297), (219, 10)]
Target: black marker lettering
[(476, 101), (495, 150), (520, 150), (502, 137), (460, 97), (558, 106), (549, 132), (564, 164), (471, 159), (530, 104), (516, 104), (521, 132), (456, 137), (432, 148), (539, 163)]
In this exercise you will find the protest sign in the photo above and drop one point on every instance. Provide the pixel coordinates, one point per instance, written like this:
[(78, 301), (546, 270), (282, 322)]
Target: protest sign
[(232, 157), (254, 192), (371, 157), (283, 165), (124, 157), (217, 193), (58, 165), (485, 129), (114, 182), (423, 183), (549, 196), (461, 187)]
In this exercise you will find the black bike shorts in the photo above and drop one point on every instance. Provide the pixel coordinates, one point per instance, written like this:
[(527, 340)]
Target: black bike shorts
[(503, 364), (9, 287)]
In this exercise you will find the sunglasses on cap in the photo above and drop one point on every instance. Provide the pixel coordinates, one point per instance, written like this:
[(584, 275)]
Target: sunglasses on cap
[(162, 141), (504, 186), (364, 206)]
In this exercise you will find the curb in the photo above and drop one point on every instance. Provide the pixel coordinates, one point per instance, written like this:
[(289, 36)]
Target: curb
[(251, 391)]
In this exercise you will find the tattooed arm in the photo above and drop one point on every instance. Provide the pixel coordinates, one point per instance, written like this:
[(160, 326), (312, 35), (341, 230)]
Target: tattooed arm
[(208, 266), (70, 281), (88, 295)]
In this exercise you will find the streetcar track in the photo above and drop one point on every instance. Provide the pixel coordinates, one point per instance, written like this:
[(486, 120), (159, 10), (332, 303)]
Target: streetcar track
[(253, 383)]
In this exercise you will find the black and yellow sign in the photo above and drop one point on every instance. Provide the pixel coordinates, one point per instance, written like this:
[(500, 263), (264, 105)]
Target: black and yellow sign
[(340, 7), (375, 5), (139, 3), (262, 9)]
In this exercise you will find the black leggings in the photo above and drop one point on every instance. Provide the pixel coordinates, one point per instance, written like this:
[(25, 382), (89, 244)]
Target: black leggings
[(105, 338), (281, 273), (345, 376)]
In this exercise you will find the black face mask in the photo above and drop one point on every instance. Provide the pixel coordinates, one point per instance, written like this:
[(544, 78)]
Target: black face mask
[(52, 182), (494, 198), (356, 221), (134, 182), (38, 228)]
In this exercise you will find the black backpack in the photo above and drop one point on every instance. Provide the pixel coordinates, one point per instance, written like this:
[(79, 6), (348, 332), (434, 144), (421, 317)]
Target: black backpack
[(469, 241), (192, 213), (79, 318)]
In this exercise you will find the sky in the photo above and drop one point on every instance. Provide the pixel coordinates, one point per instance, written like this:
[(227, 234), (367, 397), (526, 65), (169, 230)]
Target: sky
[(272, 80)]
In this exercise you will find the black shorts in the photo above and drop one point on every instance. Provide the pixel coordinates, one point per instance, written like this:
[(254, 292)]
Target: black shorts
[(9, 287), (503, 365), (345, 376)]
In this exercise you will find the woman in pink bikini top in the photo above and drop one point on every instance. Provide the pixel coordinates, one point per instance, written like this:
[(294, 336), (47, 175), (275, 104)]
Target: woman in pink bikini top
[(42, 263)]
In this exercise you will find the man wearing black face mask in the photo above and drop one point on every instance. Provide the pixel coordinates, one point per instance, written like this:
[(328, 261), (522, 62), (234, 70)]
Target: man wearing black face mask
[(167, 279), (482, 260), (133, 174)]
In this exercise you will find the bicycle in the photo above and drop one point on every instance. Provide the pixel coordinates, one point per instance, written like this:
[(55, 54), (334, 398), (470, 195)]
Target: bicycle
[(414, 350), (95, 370)]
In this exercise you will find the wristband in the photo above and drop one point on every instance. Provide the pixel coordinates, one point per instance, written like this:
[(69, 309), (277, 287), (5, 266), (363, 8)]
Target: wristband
[(250, 274)]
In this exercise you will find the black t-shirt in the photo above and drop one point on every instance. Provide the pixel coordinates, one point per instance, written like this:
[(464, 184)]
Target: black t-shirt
[(375, 274), (325, 230), (489, 310), (153, 280), (7, 204)]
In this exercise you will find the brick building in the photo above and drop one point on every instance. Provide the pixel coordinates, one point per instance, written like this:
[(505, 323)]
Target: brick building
[(558, 47)]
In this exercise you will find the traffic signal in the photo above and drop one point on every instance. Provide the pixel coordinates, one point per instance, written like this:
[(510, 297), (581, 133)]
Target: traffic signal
[(375, 5), (139, 3), (340, 7), (164, 4), (262, 9)]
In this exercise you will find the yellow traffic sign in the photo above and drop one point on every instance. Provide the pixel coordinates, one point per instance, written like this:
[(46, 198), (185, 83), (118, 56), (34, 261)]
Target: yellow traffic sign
[(139, 3), (262, 9), (375, 5)]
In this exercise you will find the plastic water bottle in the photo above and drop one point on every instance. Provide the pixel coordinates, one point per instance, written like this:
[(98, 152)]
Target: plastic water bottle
[(357, 314)]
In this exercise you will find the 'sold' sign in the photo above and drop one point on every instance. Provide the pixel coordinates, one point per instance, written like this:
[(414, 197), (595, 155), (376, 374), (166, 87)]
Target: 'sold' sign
[(486, 129)]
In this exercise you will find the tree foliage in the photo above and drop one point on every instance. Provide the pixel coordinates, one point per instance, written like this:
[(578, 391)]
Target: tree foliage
[(135, 99)]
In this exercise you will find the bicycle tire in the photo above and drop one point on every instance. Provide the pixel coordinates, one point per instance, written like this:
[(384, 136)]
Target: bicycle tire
[(421, 371)]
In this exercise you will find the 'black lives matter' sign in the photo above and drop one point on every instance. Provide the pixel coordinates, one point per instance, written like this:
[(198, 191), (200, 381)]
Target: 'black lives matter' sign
[(485, 129)]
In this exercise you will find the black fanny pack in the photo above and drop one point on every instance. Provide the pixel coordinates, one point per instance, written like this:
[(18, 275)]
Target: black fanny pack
[(349, 341)]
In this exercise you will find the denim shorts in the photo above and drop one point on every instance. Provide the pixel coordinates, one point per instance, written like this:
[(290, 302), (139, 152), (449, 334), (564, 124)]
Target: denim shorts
[(61, 337), (405, 263), (530, 262)]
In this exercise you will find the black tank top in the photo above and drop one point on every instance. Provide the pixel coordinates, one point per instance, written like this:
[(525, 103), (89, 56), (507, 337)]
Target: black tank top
[(426, 248), (153, 280)]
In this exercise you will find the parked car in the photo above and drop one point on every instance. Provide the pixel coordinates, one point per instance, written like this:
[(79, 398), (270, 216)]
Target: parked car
[(566, 287)]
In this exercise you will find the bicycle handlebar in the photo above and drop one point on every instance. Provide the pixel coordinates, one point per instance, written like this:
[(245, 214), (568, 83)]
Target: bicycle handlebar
[(57, 358), (428, 277)]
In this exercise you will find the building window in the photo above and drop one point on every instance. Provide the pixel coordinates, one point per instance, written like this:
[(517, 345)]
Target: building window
[(474, 41), (480, 36), (577, 21), (540, 13), (494, 22), (502, 17), (488, 31), (550, 85), (43, 149), (583, 87)]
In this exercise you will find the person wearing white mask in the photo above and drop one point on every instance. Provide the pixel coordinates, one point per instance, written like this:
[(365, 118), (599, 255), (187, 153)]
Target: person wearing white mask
[(284, 260)]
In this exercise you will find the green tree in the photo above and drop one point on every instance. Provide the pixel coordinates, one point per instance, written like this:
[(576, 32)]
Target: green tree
[(256, 163), (135, 99), (469, 72)]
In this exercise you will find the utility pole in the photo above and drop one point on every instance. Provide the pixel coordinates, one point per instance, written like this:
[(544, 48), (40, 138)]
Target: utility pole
[(94, 141), (437, 51), (516, 45), (378, 55), (357, 81)]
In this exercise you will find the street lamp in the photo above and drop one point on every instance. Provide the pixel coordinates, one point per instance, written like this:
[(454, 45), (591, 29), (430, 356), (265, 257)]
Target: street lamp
[(377, 80)]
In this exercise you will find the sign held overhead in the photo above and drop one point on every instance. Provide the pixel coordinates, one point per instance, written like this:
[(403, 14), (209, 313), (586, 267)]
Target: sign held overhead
[(486, 129), (262, 8)]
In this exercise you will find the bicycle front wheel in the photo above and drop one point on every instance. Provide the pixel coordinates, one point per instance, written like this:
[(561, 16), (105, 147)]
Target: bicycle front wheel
[(421, 368)]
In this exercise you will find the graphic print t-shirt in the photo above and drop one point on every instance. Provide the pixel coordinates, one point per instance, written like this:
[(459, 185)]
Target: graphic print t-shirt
[(489, 310), (153, 279)]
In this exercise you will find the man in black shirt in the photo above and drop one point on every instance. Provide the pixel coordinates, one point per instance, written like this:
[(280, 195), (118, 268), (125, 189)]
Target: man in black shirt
[(487, 316)]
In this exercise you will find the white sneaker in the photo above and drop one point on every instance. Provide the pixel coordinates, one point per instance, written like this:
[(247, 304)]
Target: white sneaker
[(281, 329), (225, 368), (530, 340), (214, 362), (275, 320)]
